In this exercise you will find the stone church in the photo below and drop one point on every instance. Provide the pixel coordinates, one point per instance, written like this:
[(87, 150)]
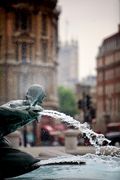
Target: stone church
[(28, 48)]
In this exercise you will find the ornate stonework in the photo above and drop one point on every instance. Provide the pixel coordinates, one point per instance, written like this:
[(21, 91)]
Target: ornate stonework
[(28, 48)]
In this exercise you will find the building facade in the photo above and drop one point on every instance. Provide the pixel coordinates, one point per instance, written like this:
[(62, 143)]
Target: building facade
[(108, 78), (28, 48), (68, 60)]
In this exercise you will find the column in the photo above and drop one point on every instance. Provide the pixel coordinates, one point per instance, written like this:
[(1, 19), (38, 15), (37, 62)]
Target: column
[(9, 33)]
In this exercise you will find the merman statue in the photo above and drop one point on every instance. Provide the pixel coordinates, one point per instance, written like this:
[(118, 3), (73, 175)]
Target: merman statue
[(14, 115)]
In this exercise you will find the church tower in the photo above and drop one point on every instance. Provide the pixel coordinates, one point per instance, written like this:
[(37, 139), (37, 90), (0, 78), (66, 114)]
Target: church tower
[(28, 48)]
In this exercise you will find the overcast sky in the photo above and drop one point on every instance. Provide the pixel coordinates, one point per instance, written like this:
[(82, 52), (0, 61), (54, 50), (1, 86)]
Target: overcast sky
[(88, 21)]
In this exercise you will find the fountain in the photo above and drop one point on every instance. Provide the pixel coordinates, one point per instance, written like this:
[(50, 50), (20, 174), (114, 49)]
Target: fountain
[(95, 168), (89, 166), (14, 115)]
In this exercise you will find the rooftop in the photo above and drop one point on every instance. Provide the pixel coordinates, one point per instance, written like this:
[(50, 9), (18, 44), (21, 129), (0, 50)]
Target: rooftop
[(110, 44), (7, 3)]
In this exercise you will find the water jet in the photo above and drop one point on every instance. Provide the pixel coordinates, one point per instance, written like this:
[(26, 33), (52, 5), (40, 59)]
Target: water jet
[(16, 114)]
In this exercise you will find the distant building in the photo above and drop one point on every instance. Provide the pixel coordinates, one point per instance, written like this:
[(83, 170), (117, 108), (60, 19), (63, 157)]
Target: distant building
[(89, 81), (28, 48), (86, 86), (108, 78), (68, 64)]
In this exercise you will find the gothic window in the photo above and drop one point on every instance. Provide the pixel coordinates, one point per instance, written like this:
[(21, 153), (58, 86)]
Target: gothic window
[(44, 25), (22, 21), (24, 52)]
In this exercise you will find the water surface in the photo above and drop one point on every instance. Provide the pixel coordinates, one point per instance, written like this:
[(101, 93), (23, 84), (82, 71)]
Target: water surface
[(96, 168)]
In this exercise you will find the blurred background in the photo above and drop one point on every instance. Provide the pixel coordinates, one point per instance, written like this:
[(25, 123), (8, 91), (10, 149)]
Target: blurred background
[(72, 49)]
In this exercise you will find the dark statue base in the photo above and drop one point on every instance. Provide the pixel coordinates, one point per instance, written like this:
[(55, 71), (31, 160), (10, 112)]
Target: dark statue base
[(14, 162)]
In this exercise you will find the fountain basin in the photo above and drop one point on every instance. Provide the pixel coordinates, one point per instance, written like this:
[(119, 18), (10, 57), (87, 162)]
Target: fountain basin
[(96, 168)]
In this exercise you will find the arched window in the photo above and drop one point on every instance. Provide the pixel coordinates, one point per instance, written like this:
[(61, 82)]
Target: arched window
[(30, 53), (22, 21), (17, 51), (24, 52), (44, 25), (44, 49)]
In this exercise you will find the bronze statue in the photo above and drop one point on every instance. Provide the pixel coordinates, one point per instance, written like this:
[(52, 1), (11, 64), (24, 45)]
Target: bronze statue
[(14, 115)]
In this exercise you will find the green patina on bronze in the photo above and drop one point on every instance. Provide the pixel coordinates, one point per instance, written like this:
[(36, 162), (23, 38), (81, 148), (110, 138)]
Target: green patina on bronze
[(16, 114)]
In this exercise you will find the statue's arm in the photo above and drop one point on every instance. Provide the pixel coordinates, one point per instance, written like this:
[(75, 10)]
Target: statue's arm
[(16, 115), (11, 115), (12, 119)]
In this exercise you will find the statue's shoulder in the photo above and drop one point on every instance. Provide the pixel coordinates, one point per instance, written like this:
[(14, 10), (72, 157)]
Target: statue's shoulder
[(14, 104)]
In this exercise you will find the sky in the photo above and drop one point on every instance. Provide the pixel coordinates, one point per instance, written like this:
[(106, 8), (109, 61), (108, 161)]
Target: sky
[(89, 22)]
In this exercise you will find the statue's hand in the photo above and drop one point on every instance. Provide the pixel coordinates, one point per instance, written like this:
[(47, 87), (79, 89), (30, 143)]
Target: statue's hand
[(36, 108), (34, 111)]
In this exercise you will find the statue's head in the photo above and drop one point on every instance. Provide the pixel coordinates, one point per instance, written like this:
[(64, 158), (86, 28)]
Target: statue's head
[(35, 94)]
